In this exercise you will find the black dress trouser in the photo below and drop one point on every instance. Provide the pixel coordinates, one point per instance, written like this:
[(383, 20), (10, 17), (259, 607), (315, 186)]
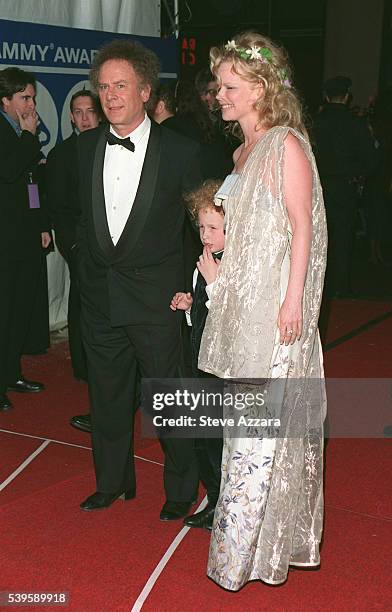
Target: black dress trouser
[(341, 209), (76, 348), (19, 282), (38, 336), (209, 455), (116, 356)]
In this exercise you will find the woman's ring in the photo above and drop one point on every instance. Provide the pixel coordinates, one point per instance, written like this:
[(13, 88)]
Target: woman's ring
[(290, 331)]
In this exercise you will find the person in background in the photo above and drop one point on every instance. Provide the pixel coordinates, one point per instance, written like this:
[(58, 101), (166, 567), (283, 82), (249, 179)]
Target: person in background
[(179, 107), (162, 106), (194, 120), (207, 88), (379, 186), (344, 151), (63, 201), (23, 226)]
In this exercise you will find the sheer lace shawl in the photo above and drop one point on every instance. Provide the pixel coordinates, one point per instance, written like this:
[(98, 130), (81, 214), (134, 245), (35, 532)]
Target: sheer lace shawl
[(240, 335), (241, 342)]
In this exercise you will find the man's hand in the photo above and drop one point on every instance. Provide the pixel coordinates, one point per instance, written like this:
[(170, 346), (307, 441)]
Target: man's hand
[(208, 266), (181, 301), (45, 239), (28, 121)]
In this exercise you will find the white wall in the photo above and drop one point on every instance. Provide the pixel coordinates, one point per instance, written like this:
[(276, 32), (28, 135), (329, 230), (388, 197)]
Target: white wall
[(122, 16)]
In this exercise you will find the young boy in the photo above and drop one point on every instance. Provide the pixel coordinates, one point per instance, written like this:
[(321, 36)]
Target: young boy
[(210, 219)]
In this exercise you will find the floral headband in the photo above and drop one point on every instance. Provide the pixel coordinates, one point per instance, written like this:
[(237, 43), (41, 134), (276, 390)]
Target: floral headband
[(262, 54)]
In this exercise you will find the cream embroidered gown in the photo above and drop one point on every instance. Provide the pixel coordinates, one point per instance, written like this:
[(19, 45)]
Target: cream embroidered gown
[(270, 511)]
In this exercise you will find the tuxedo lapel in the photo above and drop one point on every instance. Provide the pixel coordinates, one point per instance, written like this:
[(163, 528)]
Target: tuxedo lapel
[(98, 199), (144, 195)]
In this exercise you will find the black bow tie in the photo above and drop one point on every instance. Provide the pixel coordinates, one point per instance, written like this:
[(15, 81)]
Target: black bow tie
[(124, 142)]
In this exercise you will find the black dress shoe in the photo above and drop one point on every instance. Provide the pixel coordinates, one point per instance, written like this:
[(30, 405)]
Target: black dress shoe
[(203, 519), (82, 422), (25, 386), (172, 510), (99, 501), (5, 403), (80, 378)]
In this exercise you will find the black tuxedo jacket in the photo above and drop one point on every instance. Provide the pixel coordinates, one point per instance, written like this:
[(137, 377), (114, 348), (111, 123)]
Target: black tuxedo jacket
[(20, 226), (134, 281), (62, 193)]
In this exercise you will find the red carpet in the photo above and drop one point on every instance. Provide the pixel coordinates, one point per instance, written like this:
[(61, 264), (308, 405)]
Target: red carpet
[(367, 355), (355, 550), (347, 315), (104, 559)]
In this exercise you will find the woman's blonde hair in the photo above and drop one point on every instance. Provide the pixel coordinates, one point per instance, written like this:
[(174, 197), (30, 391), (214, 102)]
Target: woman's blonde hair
[(258, 60), (202, 198)]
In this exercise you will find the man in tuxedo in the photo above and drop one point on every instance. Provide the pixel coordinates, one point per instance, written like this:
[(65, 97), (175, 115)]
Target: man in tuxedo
[(62, 191), (130, 263), (23, 227)]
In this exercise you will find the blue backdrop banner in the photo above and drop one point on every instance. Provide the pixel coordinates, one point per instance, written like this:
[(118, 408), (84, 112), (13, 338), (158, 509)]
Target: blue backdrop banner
[(60, 58)]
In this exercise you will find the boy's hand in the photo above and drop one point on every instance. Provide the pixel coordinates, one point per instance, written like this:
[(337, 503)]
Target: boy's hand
[(181, 301), (45, 239), (208, 266)]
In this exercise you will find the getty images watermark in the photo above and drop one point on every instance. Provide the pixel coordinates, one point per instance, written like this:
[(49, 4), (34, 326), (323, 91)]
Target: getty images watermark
[(206, 407), (198, 402), (285, 408)]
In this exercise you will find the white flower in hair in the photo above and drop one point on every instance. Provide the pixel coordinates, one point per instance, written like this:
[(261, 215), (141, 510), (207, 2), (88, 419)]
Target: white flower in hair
[(231, 44), (254, 53)]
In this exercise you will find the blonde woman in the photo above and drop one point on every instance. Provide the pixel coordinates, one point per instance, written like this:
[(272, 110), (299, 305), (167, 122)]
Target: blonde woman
[(262, 323)]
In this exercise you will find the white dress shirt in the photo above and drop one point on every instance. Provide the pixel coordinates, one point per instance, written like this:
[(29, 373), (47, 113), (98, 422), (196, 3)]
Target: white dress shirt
[(209, 291), (121, 175)]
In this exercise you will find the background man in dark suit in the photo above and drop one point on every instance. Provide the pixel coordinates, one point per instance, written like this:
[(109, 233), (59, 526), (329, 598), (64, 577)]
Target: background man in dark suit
[(162, 105), (62, 191), (345, 151), (23, 230), (130, 263)]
